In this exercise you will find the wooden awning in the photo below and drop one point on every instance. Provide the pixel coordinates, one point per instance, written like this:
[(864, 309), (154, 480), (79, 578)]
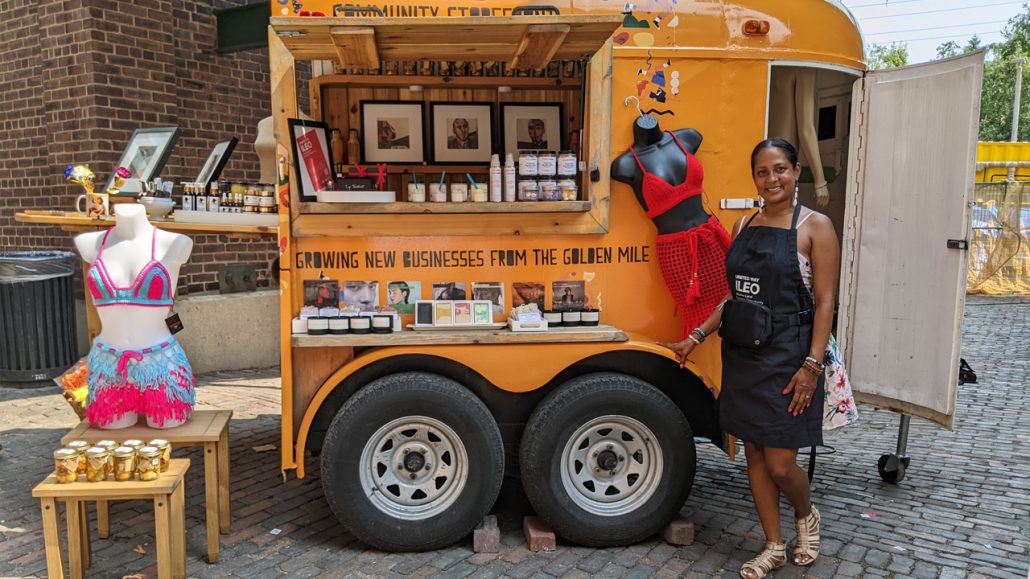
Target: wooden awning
[(524, 42)]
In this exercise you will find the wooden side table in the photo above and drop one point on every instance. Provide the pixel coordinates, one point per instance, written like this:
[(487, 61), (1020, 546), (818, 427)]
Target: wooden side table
[(207, 428), (169, 523)]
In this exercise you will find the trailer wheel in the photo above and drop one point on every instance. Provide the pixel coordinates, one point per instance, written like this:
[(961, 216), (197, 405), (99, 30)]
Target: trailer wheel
[(607, 460), (412, 462)]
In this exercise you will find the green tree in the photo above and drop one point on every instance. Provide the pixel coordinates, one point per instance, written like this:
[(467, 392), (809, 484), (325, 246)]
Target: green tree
[(999, 81), (890, 55), (948, 50)]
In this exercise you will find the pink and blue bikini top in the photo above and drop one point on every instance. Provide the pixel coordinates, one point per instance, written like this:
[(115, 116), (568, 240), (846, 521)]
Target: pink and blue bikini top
[(151, 288)]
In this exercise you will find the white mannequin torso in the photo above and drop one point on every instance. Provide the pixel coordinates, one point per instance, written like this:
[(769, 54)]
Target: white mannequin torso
[(127, 252)]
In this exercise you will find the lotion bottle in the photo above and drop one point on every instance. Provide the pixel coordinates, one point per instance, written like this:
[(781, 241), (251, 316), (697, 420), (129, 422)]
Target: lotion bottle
[(509, 178), (495, 178)]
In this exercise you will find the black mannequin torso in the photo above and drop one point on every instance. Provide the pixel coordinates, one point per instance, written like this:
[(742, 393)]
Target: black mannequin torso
[(662, 157)]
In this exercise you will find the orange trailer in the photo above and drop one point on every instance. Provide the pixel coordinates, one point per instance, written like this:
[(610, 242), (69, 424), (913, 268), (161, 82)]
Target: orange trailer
[(415, 429)]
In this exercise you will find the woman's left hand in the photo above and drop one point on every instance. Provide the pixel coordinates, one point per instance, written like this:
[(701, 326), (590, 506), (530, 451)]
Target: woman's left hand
[(803, 386)]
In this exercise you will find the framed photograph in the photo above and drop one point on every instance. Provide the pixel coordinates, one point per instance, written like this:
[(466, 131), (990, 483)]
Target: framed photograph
[(481, 313), (312, 157), (568, 295), (530, 292), (461, 132), (321, 293), (492, 292), (424, 312), (145, 156), (531, 127), (443, 314), (462, 313), (216, 161), (392, 132), (402, 295), (363, 295), (449, 290)]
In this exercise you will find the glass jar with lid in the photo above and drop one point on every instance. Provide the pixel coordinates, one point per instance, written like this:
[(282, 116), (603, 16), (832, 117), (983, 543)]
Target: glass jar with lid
[(66, 465), (148, 463), (124, 463), (96, 464)]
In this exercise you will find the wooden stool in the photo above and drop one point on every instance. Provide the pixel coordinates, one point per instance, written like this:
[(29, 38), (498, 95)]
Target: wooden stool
[(169, 521), (207, 428)]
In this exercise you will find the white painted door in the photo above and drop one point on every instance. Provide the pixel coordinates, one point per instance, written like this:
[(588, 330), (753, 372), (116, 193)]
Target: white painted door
[(910, 180)]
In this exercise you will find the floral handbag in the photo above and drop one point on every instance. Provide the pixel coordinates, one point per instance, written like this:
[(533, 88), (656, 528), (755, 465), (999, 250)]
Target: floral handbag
[(839, 403)]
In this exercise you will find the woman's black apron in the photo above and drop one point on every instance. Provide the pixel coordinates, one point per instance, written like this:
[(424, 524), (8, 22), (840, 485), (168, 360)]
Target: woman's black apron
[(762, 265)]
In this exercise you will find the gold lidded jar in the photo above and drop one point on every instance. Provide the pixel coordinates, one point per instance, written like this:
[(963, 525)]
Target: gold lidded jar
[(134, 444), (148, 463), (80, 447), (109, 446), (96, 464), (124, 463), (66, 465), (166, 452)]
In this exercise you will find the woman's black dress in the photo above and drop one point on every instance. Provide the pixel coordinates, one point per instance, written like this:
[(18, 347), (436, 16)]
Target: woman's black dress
[(762, 265)]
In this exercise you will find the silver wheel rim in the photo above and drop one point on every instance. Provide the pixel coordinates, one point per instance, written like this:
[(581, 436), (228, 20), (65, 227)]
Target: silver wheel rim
[(413, 468), (611, 465)]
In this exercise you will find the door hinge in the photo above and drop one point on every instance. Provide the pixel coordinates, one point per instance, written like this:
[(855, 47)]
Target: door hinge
[(958, 244)]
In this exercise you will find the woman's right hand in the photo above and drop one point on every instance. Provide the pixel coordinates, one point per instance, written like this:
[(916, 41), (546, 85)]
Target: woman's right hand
[(681, 348)]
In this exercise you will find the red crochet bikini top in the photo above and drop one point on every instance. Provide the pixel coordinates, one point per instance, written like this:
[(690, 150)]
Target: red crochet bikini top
[(659, 195)]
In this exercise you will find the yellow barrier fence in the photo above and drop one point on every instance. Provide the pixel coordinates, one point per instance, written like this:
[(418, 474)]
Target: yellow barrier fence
[(999, 245)]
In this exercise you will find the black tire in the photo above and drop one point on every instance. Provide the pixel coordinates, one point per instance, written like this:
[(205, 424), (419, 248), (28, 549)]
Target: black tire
[(377, 517), (562, 415)]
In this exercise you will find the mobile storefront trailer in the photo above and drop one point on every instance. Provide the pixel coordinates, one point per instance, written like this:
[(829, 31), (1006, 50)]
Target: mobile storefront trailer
[(415, 429)]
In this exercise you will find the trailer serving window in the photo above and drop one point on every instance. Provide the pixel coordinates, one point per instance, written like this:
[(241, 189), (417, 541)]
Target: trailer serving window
[(518, 60)]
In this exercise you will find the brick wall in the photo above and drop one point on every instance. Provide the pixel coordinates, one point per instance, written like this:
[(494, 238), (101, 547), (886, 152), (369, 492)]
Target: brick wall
[(81, 75)]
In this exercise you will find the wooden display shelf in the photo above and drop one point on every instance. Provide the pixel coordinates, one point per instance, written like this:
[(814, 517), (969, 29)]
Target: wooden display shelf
[(72, 221), (448, 208), (525, 42), (408, 337), (428, 82)]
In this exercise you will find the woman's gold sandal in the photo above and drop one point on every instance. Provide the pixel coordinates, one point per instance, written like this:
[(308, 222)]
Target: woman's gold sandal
[(773, 557), (807, 548)]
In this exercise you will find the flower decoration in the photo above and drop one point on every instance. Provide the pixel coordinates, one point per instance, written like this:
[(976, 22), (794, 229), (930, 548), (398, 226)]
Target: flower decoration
[(82, 175)]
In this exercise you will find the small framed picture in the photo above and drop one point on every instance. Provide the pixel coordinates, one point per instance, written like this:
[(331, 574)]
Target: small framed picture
[(443, 313), (393, 132), (144, 156), (312, 157), (527, 293), (481, 313), (490, 291), (461, 132), (531, 127), (462, 313), (568, 295), (449, 290), (402, 295), (322, 293), (363, 295), (216, 161), (424, 313)]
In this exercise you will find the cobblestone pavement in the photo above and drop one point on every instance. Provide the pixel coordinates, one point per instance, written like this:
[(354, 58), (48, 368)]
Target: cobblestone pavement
[(962, 510)]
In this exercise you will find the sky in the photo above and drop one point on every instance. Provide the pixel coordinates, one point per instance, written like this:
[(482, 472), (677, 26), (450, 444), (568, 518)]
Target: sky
[(925, 24)]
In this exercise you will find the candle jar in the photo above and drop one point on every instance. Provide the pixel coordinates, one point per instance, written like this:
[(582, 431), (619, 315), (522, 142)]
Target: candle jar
[(66, 465), (459, 192), (438, 192), (148, 463), (416, 192), (124, 463), (166, 452), (80, 447), (480, 193), (96, 464)]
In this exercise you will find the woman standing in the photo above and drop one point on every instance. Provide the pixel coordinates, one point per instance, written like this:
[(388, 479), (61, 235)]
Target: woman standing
[(782, 265)]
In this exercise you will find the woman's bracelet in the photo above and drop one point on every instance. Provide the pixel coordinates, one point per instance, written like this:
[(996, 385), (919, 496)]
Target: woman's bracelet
[(819, 364), (815, 369), (691, 337), (700, 334)]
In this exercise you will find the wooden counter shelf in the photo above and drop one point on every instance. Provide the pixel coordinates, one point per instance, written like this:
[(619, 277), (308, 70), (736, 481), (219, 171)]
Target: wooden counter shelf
[(473, 82), (430, 208), (71, 221), (408, 337)]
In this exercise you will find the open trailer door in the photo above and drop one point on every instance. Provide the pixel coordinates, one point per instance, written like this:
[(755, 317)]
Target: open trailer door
[(910, 180)]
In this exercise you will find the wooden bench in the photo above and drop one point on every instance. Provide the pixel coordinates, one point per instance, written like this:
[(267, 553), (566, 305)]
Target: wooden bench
[(207, 428), (169, 523)]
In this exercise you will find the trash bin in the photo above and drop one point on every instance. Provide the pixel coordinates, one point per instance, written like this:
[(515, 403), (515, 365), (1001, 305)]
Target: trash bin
[(37, 314)]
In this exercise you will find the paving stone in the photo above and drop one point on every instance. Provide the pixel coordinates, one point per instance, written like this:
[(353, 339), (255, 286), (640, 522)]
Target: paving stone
[(849, 569), (539, 537), (679, 532), (486, 538)]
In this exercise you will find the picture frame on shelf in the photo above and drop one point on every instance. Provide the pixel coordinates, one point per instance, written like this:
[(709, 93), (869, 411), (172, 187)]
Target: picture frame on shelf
[(217, 159), (461, 133), (392, 132), (144, 156), (312, 157), (532, 127)]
